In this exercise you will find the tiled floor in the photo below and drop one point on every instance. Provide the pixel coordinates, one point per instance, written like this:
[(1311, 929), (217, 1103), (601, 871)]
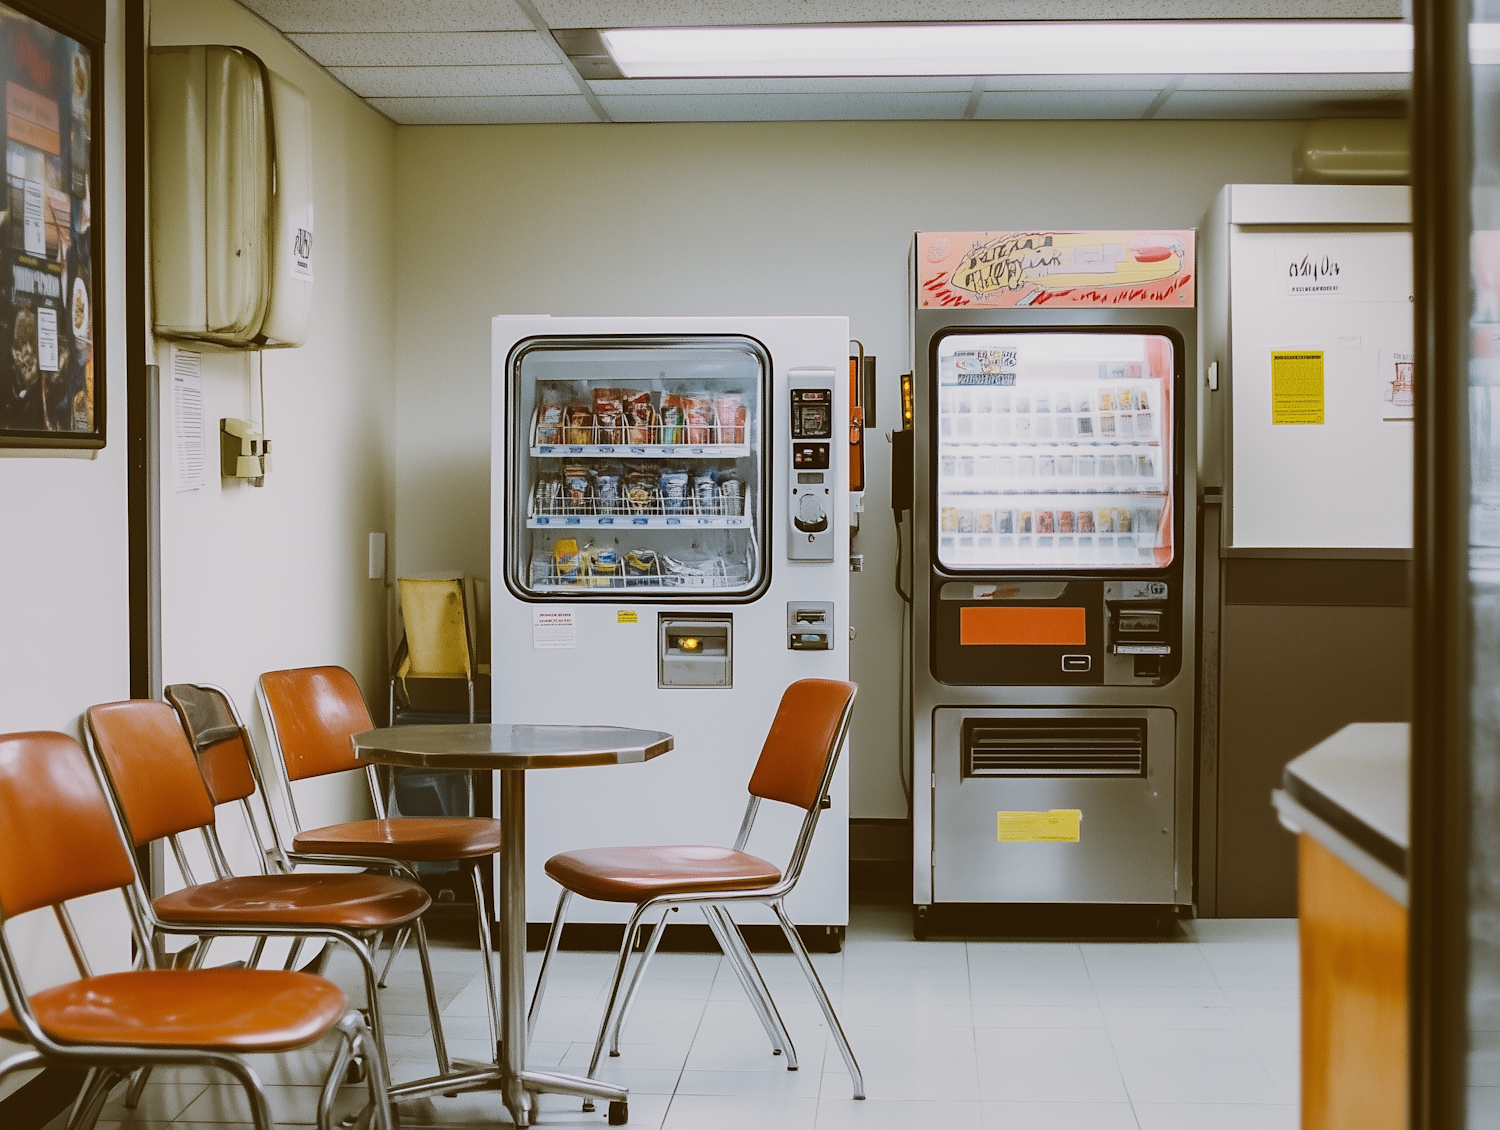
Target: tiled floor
[(1197, 1033)]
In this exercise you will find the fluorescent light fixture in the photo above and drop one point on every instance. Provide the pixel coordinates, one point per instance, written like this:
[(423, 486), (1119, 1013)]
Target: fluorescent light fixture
[(1218, 47)]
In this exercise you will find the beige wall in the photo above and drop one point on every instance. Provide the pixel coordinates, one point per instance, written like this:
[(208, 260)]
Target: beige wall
[(255, 579), (804, 218), (64, 628)]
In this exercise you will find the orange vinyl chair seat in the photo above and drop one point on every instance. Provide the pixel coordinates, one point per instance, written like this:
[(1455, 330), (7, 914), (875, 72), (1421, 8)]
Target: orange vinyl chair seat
[(238, 1010), (351, 902), (423, 839), (636, 874)]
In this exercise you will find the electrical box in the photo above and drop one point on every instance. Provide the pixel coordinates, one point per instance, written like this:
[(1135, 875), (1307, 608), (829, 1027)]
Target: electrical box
[(231, 199)]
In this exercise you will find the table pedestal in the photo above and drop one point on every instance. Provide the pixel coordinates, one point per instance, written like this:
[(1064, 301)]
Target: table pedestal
[(508, 1074)]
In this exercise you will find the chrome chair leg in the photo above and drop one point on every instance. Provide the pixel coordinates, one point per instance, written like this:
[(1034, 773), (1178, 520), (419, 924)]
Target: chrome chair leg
[(91, 1101), (200, 953), (292, 955), (357, 1040), (614, 989), (794, 939), (768, 1002), (554, 937), (256, 951), (434, 1012), (398, 943), (732, 956), (255, 1091), (637, 977), (486, 954), (137, 1087)]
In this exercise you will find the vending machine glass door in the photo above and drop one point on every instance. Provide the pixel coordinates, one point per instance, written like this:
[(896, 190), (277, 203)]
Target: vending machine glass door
[(636, 470), (1054, 450)]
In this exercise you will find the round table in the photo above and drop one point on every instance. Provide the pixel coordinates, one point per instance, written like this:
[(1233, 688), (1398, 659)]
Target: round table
[(512, 750)]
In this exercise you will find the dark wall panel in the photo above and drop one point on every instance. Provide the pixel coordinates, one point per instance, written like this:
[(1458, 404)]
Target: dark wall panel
[(1289, 677)]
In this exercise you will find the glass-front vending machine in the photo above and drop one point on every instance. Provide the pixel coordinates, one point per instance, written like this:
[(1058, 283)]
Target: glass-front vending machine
[(669, 516), (1054, 551)]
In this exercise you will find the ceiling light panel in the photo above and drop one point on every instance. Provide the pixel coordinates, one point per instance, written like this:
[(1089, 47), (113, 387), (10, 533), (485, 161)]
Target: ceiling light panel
[(1074, 48)]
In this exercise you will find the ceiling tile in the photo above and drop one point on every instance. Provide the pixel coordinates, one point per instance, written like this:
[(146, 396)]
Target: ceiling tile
[(698, 13), (449, 82), (485, 111), (391, 15), (1277, 104), (425, 49), (643, 86), (784, 107), (1064, 104)]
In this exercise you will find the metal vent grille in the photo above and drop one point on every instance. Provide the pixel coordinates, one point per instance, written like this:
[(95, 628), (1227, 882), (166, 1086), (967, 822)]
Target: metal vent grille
[(1055, 747)]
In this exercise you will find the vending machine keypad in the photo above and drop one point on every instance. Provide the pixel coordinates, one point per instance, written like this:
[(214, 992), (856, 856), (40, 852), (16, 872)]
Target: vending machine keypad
[(810, 537)]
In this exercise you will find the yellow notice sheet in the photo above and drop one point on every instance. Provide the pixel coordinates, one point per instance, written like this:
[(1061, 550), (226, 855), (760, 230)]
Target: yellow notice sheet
[(1056, 826), (1296, 386)]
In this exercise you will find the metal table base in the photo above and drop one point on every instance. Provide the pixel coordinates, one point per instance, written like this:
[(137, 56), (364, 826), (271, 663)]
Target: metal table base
[(508, 1073), (473, 747)]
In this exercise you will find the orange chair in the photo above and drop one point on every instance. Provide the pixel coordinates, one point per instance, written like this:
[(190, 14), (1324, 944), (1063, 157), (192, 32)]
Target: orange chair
[(311, 713), (63, 841), (160, 793), (795, 767)]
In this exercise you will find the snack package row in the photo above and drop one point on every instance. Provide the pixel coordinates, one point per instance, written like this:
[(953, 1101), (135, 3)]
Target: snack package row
[(1090, 520), (1039, 399), (1130, 463), (640, 488), (640, 416), (1087, 427), (602, 566)]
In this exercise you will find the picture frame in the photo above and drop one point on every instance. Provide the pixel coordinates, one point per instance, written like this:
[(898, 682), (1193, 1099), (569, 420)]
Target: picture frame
[(53, 392)]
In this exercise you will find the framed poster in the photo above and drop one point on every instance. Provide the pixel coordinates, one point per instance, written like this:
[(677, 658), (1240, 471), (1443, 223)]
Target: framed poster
[(52, 388)]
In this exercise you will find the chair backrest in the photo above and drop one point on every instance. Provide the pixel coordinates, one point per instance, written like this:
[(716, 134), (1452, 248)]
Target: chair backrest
[(437, 629), (222, 748), (59, 839), (313, 712), (803, 742), (152, 768)]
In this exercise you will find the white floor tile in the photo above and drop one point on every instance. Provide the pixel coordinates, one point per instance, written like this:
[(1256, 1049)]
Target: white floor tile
[(1216, 1116), (957, 1035), (1174, 1017), (1058, 1116), (775, 1082), (1053, 1065), (757, 1112), (837, 1111)]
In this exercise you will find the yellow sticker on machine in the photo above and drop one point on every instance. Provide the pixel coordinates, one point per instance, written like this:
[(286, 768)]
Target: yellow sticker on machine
[(1055, 826), (627, 616)]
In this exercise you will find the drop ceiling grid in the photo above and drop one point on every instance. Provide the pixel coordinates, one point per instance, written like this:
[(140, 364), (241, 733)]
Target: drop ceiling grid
[(482, 61)]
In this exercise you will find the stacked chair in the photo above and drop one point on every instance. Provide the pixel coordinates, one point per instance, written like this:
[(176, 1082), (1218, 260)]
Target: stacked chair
[(311, 713), (64, 840)]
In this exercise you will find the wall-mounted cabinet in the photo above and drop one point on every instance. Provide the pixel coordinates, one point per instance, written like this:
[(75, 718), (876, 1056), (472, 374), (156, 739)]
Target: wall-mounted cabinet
[(231, 199)]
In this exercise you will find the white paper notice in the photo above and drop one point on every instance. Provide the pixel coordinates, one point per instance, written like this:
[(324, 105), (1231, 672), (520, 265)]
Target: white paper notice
[(1398, 397), (46, 339), (552, 628), (187, 418), (35, 226)]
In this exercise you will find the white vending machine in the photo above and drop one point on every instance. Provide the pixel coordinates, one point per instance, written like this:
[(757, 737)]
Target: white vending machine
[(671, 540)]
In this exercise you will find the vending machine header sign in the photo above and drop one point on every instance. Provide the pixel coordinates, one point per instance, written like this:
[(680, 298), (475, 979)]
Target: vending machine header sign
[(1055, 268)]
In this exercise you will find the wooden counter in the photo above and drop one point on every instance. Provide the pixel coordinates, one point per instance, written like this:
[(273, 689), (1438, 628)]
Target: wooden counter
[(1346, 799)]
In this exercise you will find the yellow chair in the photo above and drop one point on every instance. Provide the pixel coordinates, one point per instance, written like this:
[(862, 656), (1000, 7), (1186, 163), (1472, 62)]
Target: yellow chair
[(440, 641)]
